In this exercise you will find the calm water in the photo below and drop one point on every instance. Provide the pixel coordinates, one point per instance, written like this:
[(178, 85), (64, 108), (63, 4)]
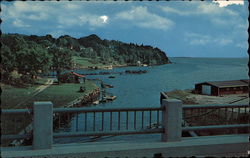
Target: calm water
[(133, 90)]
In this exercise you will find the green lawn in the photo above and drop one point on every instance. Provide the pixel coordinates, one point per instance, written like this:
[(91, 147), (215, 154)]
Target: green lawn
[(64, 93), (58, 94), (85, 62), (12, 96)]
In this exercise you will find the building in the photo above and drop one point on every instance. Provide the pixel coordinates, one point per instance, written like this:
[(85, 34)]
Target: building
[(72, 77), (218, 88)]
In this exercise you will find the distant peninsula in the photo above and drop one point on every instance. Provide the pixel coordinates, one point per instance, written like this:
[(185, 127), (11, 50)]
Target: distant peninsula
[(93, 49), (24, 55)]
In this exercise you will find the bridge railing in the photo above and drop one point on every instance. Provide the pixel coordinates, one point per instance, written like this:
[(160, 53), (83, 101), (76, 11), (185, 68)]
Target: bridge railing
[(14, 121), (108, 121), (167, 120), (216, 117)]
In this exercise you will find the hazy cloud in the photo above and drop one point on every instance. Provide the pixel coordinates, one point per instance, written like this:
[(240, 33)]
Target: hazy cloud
[(203, 39), (231, 2), (141, 17), (19, 23)]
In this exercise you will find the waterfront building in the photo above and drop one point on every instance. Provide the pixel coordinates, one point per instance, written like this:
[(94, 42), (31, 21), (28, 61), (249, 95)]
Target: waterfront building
[(218, 88)]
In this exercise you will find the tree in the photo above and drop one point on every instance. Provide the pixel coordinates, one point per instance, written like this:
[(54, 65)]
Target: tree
[(8, 61), (33, 59), (61, 60)]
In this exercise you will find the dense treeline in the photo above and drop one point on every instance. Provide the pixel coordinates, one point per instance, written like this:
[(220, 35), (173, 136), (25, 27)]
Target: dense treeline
[(23, 57)]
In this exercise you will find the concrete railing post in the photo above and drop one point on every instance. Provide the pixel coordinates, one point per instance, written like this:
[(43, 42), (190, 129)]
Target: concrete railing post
[(43, 125), (171, 120)]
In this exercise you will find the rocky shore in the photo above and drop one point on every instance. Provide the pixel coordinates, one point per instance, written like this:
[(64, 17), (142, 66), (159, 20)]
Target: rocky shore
[(85, 100)]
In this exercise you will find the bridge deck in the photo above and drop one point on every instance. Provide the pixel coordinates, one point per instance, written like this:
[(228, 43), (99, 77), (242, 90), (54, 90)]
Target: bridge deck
[(226, 145)]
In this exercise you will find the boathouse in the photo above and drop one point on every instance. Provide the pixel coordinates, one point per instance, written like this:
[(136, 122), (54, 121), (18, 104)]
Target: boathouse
[(218, 88), (72, 77)]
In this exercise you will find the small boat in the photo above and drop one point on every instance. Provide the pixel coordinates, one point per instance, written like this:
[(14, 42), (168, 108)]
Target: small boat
[(96, 102), (111, 76), (107, 86), (111, 98), (107, 99)]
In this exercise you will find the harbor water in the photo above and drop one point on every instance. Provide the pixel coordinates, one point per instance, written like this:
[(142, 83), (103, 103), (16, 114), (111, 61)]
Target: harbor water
[(143, 90)]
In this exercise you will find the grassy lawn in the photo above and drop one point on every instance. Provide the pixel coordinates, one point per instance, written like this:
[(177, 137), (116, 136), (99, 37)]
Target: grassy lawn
[(85, 62), (62, 94), (12, 96), (58, 94)]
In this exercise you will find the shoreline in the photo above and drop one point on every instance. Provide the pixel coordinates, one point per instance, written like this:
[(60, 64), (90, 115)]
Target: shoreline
[(105, 67), (187, 97), (84, 100)]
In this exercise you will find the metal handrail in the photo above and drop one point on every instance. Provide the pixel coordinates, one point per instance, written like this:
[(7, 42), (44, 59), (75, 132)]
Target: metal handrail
[(16, 111), (15, 137), (73, 110), (121, 109), (211, 127), (214, 106), (107, 133)]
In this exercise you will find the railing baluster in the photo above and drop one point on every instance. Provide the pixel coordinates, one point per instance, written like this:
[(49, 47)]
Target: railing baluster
[(111, 121), (205, 115), (127, 120), (94, 121), (15, 128), (158, 122), (119, 119), (191, 114), (77, 122), (68, 117), (226, 115), (150, 118), (238, 116), (85, 124), (142, 122), (218, 113), (102, 121), (134, 119), (59, 121), (232, 115)]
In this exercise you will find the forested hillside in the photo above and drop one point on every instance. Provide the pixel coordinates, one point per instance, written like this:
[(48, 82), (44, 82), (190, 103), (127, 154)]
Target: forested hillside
[(28, 56)]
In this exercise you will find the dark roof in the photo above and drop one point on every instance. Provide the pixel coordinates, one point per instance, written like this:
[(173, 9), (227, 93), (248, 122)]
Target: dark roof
[(74, 73), (77, 74), (232, 83)]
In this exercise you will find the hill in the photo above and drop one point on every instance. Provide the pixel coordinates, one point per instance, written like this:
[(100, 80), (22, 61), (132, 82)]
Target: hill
[(32, 54)]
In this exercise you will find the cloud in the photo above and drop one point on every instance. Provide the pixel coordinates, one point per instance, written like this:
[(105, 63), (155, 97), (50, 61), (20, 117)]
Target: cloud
[(58, 33), (203, 39), (71, 6), (198, 8), (168, 9), (39, 16), (242, 45), (93, 20), (231, 2), (104, 18), (19, 23), (58, 14), (141, 17)]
